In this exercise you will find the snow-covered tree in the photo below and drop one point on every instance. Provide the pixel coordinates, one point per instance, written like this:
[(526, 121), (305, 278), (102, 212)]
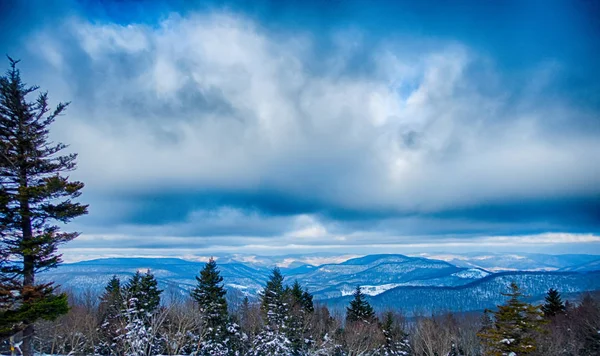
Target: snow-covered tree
[(274, 305), (273, 339), (396, 340), (142, 290), (109, 310), (140, 335), (301, 306), (140, 317), (271, 342)]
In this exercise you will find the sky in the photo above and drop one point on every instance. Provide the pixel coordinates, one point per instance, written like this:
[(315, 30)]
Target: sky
[(291, 127)]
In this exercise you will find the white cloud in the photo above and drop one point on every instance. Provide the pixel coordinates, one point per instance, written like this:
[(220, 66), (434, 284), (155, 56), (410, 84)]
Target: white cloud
[(217, 103)]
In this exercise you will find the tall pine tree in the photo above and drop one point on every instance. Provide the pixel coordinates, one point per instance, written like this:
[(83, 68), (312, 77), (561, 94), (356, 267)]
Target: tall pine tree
[(35, 195), (210, 296), (273, 340), (553, 304), (109, 310), (301, 306), (359, 309), (514, 328), (274, 304)]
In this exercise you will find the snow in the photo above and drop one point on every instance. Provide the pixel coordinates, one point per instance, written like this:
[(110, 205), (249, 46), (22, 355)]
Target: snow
[(236, 286), (372, 290), (471, 273)]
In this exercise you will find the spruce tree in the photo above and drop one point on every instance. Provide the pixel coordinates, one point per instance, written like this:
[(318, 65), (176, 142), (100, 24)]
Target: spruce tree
[(141, 299), (142, 293), (111, 301), (110, 308), (396, 340), (273, 304), (359, 309), (35, 195), (514, 328), (553, 304), (209, 293), (307, 302), (301, 306), (273, 340)]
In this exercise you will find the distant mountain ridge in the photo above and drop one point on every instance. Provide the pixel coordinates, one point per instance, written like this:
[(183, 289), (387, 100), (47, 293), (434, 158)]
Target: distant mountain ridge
[(480, 294), (388, 279), (496, 262)]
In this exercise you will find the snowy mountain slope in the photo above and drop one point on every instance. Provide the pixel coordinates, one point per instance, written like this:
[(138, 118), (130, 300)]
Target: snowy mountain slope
[(381, 272), (590, 266), (480, 294), (377, 274), (171, 273), (497, 262)]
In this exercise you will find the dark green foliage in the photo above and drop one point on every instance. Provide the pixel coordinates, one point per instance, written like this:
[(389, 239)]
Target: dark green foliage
[(47, 306), (359, 309), (515, 327), (109, 313), (210, 296), (142, 293), (111, 301), (35, 195), (396, 340), (301, 306), (553, 304), (273, 303)]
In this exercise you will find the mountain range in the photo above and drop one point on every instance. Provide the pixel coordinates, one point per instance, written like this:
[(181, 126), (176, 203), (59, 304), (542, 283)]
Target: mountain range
[(427, 283)]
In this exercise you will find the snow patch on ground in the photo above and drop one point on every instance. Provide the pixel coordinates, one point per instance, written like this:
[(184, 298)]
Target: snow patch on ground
[(237, 286), (372, 290), (471, 273)]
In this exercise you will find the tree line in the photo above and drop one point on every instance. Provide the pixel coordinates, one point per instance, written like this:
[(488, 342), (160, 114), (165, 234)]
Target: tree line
[(37, 197), (129, 319)]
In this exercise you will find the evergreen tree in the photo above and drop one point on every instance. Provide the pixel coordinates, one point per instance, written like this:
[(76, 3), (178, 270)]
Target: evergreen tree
[(396, 340), (142, 293), (210, 296), (307, 302), (35, 195), (271, 343), (515, 326), (359, 309), (111, 301), (273, 340), (301, 306), (141, 298), (553, 305), (110, 308), (273, 304)]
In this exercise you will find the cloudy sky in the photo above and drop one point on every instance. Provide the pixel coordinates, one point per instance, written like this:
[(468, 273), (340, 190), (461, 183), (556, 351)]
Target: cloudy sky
[(336, 125)]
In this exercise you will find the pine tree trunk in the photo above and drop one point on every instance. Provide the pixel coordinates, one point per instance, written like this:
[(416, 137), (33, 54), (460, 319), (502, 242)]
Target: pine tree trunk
[(27, 347), (28, 259)]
